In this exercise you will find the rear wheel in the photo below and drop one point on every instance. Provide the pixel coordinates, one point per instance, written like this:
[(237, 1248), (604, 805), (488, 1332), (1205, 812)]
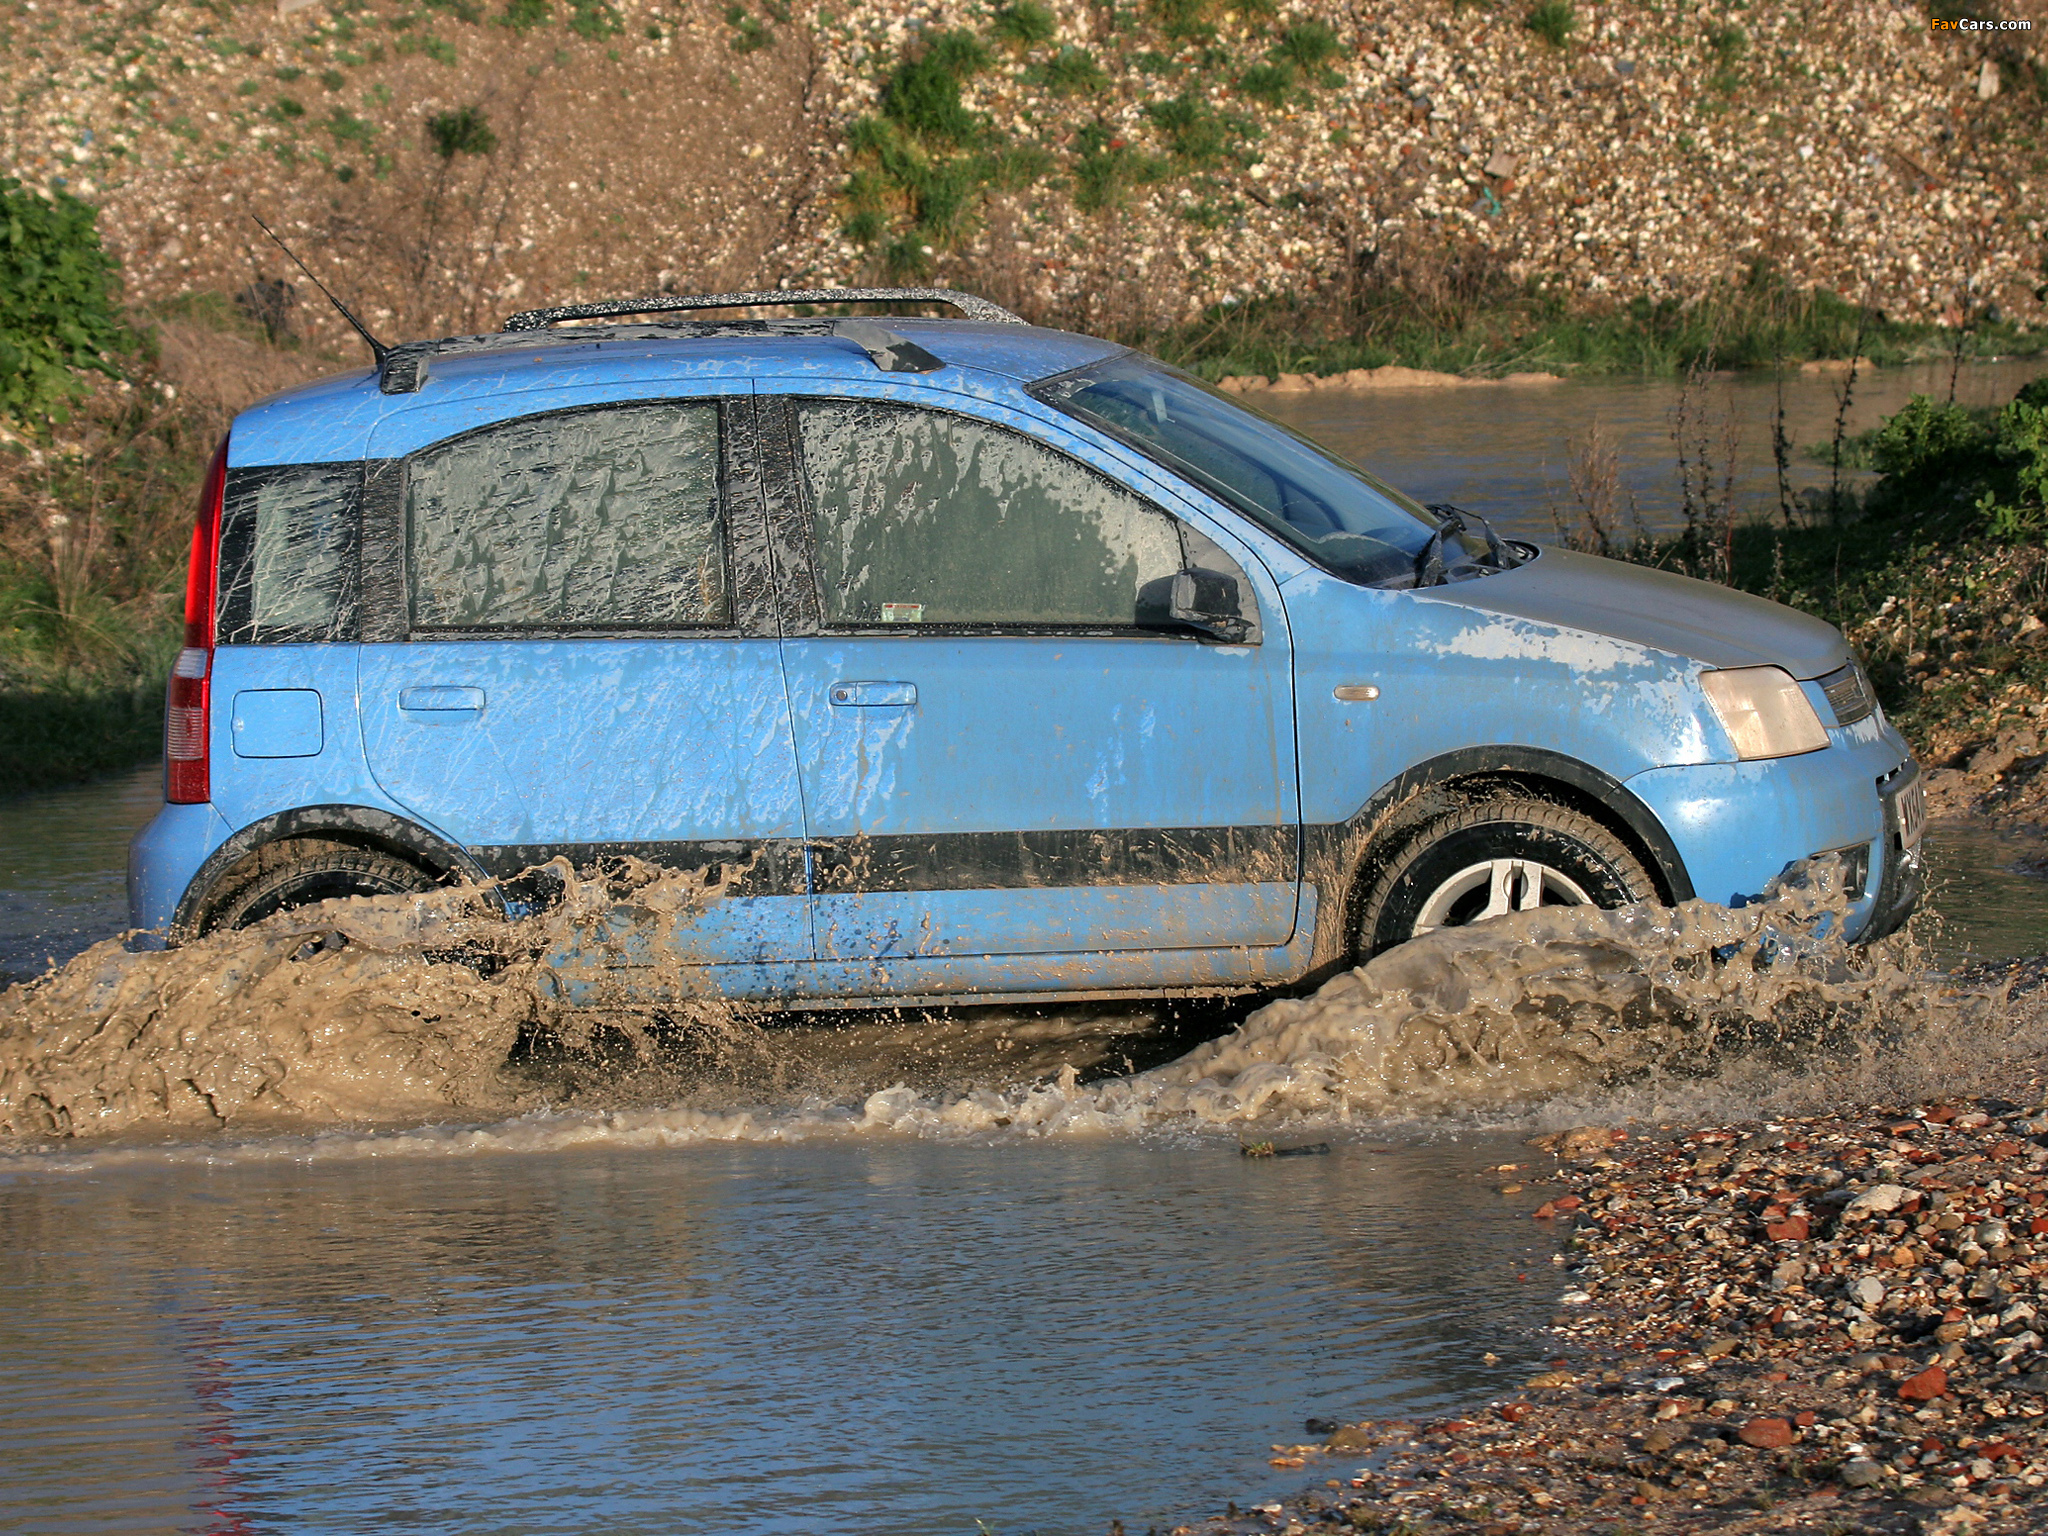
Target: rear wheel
[(301, 872), (1508, 853)]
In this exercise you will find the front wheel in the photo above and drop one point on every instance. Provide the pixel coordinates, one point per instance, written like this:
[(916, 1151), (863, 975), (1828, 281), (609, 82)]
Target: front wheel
[(1492, 857)]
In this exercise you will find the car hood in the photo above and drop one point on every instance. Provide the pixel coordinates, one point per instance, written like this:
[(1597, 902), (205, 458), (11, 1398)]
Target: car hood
[(1714, 625)]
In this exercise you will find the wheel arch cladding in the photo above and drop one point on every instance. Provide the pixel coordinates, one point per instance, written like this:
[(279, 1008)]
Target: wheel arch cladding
[(1343, 857), (362, 825)]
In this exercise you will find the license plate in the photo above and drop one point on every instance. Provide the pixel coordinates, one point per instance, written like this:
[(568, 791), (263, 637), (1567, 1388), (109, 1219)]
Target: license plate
[(1912, 803)]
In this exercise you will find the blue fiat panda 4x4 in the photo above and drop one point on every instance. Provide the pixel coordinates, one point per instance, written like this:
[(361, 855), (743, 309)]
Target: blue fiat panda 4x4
[(973, 661)]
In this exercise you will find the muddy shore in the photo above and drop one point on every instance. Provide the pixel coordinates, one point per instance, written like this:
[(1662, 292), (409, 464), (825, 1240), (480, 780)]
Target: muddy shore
[(1822, 1323)]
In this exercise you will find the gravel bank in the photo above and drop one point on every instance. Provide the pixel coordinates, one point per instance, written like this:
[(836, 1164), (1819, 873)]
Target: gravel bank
[(1825, 1323), (1106, 165)]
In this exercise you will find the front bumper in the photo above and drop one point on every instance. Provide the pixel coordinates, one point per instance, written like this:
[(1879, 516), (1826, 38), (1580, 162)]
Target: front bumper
[(1901, 872), (1737, 826)]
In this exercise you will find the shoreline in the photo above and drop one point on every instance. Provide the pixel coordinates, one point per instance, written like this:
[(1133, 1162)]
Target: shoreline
[(1822, 1322)]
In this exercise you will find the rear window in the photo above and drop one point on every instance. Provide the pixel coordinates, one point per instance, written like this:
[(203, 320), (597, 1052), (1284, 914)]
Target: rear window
[(288, 568), (604, 519)]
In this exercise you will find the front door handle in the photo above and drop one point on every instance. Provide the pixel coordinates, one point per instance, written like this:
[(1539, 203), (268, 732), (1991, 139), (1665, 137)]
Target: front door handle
[(442, 704), (871, 695)]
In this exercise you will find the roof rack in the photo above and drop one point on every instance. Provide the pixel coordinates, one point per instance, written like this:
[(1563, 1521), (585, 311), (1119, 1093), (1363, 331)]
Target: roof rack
[(970, 305), (403, 369)]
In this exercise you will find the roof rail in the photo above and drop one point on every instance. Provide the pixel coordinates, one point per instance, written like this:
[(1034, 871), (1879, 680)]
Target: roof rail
[(970, 305)]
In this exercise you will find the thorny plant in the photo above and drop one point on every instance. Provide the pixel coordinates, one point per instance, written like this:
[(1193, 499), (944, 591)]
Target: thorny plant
[(1597, 522), (1706, 441)]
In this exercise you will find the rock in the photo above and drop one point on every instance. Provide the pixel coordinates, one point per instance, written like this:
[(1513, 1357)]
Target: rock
[(1551, 1379), (1352, 1437), (1867, 1292), (1925, 1387), (1878, 1200), (1662, 1439), (1861, 1472), (1767, 1434), (1715, 1348), (1502, 165), (1584, 1140), (1292, 383), (1793, 1229)]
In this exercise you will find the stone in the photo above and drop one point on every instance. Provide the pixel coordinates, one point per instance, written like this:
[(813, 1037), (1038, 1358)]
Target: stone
[(1715, 1348), (1878, 1200), (1867, 1292), (1767, 1434), (1861, 1472), (1352, 1437), (1502, 165), (1793, 1229), (1925, 1387)]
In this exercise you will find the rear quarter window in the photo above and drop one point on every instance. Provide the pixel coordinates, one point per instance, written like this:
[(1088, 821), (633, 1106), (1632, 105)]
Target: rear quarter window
[(288, 566), (597, 519)]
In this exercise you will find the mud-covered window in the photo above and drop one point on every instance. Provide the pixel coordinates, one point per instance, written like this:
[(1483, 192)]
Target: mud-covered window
[(926, 518), (288, 554), (601, 519)]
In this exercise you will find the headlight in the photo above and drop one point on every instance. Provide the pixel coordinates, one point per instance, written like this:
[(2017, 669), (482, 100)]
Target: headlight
[(1764, 712)]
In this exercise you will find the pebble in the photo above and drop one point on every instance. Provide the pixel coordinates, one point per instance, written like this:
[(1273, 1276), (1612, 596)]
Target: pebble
[(1722, 1380)]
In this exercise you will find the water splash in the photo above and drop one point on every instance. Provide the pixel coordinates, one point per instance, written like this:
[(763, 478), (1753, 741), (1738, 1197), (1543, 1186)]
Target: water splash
[(383, 1011)]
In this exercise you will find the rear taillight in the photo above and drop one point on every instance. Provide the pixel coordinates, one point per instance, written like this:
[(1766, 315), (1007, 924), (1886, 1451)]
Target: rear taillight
[(187, 722)]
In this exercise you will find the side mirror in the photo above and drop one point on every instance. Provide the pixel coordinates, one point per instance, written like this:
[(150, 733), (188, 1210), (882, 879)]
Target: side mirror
[(1210, 603)]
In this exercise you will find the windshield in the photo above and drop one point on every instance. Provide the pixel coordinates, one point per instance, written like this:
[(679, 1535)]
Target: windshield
[(1342, 518)]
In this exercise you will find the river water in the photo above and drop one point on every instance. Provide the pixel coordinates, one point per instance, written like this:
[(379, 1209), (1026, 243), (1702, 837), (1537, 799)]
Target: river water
[(577, 1321)]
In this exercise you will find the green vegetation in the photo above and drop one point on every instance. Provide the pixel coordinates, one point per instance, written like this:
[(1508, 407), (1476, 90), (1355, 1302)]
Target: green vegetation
[(58, 317), (1024, 25), (96, 483), (1451, 311), (1552, 20), (465, 131), (924, 162)]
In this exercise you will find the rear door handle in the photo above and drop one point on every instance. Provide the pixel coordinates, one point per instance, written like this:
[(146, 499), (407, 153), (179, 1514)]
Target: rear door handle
[(448, 703), (871, 695)]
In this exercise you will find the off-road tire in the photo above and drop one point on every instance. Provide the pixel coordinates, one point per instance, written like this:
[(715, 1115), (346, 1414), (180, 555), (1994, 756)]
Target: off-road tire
[(305, 870), (1505, 826)]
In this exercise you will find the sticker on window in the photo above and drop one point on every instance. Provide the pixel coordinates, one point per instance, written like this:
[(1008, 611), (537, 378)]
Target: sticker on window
[(902, 613)]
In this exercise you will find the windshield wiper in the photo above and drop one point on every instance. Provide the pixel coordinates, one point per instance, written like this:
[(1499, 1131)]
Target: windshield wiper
[(1430, 570)]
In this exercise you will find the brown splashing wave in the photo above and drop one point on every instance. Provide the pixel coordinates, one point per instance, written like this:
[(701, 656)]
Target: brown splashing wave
[(382, 1011)]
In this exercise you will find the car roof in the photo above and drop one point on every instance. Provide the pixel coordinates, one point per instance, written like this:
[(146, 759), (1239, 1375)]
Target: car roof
[(331, 418)]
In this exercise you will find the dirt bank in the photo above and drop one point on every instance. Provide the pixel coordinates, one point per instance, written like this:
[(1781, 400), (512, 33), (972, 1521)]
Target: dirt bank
[(1822, 1322), (1108, 166)]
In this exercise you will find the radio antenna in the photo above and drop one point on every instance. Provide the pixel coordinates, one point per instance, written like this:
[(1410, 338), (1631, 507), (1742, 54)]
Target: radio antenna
[(377, 348)]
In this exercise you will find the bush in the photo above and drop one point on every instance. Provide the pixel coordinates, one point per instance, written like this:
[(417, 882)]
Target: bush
[(1924, 444), (1553, 21), (1026, 24), (57, 310), (464, 131)]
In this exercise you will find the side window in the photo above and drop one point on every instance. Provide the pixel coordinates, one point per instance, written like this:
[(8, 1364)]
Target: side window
[(921, 517), (598, 519), (288, 554)]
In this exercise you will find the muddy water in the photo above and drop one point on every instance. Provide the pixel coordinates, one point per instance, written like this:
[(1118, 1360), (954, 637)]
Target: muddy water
[(1505, 451), (897, 1338)]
